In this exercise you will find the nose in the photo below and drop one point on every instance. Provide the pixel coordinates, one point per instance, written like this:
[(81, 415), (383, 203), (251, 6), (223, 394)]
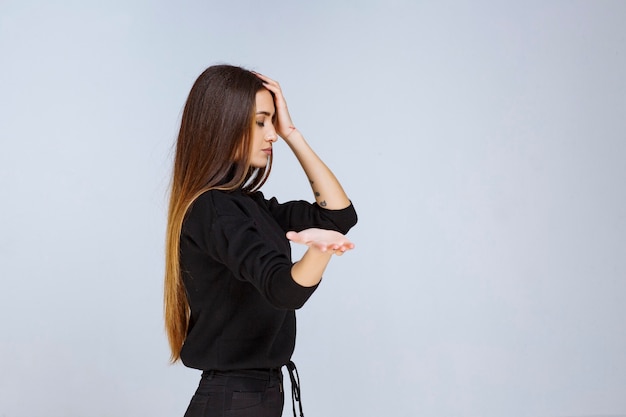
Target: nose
[(271, 136)]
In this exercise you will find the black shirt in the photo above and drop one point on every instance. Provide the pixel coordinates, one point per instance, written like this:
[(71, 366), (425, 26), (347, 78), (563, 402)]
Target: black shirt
[(236, 265)]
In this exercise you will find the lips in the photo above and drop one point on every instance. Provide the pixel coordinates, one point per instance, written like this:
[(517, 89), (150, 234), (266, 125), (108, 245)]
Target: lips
[(267, 151)]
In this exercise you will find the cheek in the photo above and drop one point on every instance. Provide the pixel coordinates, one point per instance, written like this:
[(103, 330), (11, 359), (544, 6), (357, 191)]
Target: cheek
[(257, 139)]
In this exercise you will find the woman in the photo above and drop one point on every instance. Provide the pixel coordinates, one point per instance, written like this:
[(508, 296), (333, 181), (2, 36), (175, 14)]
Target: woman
[(231, 289)]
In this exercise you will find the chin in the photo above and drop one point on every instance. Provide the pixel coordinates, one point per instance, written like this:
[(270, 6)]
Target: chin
[(258, 164)]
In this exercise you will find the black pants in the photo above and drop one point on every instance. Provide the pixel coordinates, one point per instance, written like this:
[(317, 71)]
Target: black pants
[(257, 393)]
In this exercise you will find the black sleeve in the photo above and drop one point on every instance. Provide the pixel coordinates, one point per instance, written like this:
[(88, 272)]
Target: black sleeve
[(232, 238), (299, 215)]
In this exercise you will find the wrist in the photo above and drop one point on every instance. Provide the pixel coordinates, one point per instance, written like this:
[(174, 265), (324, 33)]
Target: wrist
[(290, 130), (308, 271), (294, 137)]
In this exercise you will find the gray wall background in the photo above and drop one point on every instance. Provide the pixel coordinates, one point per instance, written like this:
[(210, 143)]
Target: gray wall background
[(483, 144)]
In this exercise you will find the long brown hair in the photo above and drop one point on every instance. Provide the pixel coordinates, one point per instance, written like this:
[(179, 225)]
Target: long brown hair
[(212, 152)]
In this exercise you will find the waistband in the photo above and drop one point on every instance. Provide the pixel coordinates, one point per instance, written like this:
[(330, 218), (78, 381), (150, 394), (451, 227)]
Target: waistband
[(259, 373), (266, 373)]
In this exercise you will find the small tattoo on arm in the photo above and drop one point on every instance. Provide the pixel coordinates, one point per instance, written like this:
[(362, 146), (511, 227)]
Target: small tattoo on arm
[(317, 194)]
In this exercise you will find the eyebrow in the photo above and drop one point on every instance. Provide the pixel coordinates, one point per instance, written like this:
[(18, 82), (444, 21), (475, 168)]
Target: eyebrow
[(268, 114)]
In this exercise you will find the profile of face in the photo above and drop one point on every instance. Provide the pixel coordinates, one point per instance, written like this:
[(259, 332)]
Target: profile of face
[(263, 132)]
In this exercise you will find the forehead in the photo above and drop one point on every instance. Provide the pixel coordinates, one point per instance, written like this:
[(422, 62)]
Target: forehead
[(264, 101)]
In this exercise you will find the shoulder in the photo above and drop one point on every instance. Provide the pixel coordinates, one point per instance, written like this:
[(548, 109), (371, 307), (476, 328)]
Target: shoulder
[(227, 203)]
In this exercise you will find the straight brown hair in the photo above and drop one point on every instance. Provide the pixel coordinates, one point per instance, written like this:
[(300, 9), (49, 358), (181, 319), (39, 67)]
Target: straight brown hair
[(212, 152)]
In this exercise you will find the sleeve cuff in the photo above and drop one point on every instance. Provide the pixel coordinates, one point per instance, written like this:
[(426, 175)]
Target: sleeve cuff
[(343, 218), (287, 293)]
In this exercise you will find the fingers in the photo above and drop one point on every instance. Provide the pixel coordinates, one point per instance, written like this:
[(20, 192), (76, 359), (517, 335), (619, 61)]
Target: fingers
[(270, 84), (266, 79), (274, 87), (341, 249)]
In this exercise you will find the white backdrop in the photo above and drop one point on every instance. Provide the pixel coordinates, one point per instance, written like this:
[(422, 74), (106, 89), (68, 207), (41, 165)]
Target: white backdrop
[(483, 144)]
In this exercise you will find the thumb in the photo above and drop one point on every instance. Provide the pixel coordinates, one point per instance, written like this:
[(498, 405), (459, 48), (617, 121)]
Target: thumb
[(304, 237), (293, 236)]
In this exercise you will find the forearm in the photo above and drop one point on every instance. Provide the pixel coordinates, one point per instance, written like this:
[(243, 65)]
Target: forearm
[(309, 270), (326, 188)]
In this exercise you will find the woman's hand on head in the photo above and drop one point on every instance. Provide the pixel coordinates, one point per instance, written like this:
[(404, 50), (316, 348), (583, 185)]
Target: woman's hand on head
[(323, 240), (284, 125)]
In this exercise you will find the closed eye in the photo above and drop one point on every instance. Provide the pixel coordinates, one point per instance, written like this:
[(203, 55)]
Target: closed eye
[(267, 114)]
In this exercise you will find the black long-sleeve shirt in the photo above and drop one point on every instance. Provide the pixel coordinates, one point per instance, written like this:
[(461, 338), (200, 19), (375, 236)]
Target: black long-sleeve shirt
[(236, 265)]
